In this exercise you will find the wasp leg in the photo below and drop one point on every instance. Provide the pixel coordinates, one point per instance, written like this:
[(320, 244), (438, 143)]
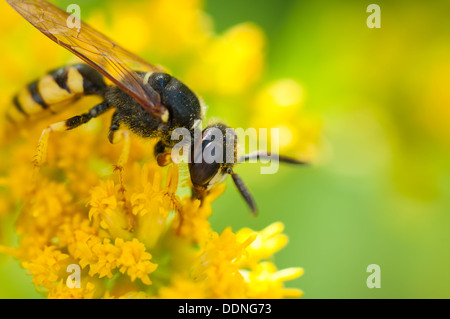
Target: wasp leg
[(116, 135), (163, 158), (41, 155), (68, 124), (78, 120), (122, 136)]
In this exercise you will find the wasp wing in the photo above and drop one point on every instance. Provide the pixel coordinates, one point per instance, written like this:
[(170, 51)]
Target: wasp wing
[(95, 49)]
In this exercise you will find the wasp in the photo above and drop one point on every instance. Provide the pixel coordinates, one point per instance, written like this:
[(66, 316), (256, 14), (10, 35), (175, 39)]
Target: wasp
[(146, 100)]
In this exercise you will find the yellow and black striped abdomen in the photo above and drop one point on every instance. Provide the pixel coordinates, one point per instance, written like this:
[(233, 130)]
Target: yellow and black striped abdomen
[(57, 87)]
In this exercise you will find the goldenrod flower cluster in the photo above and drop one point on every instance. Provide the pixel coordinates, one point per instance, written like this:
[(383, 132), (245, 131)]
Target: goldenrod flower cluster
[(140, 236), (141, 241)]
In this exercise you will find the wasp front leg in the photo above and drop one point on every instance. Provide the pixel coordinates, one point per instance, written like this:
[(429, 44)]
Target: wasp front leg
[(163, 157)]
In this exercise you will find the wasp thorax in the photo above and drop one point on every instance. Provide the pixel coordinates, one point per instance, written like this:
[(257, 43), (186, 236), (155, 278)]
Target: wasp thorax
[(183, 105)]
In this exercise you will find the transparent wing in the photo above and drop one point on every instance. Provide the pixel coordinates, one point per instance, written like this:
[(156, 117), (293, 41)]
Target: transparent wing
[(95, 49)]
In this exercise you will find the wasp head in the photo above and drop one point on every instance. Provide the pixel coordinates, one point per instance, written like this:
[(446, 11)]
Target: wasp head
[(212, 157)]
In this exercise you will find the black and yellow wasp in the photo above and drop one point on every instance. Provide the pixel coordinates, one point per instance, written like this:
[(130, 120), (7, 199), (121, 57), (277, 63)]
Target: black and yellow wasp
[(148, 102)]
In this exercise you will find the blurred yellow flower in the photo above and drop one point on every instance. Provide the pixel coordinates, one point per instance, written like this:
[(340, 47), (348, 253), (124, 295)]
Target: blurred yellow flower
[(145, 240), (62, 291), (45, 266), (266, 243), (229, 63), (279, 105), (266, 282)]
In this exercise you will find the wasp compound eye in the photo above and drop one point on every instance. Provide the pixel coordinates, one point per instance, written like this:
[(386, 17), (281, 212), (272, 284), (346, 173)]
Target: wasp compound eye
[(202, 169), (202, 173)]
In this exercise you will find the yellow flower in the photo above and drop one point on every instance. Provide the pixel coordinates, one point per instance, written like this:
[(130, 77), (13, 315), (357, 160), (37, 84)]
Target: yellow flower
[(184, 287), (62, 291), (279, 105), (264, 281), (266, 243), (192, 220), (102, 257), (46, 267), (175, 261), (106, 207), (233, 61), (134, 260), (219, 263)]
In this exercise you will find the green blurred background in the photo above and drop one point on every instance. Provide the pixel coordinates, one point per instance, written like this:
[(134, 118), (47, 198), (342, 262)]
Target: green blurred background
[(380, 192)]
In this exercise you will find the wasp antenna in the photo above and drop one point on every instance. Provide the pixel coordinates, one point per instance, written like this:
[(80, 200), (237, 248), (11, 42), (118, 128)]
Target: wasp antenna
[(268, 156), (244, 191)]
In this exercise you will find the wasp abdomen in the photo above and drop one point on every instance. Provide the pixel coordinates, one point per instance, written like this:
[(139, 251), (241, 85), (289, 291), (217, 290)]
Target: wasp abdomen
[(56, 87)]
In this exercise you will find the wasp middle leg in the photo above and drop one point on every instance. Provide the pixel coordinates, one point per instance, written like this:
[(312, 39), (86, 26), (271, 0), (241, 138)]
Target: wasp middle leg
[(118, 135)]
